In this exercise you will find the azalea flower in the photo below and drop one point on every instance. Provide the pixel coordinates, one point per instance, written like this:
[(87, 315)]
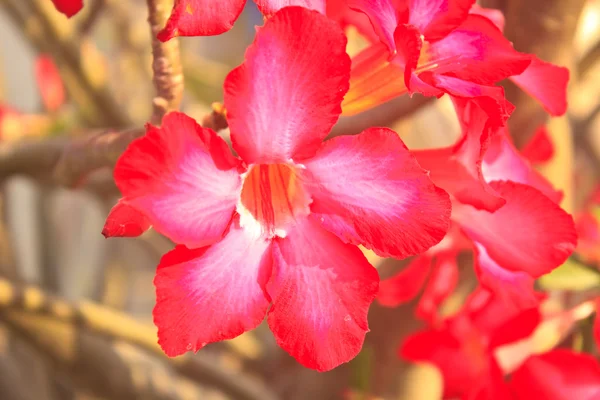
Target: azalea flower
[(213, 17), (422, 43), (275, 231), (68, 7), (502, 209), (465, 349)]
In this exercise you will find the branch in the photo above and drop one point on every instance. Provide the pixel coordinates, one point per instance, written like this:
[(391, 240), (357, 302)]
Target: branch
[(166, 65), (27, 307)]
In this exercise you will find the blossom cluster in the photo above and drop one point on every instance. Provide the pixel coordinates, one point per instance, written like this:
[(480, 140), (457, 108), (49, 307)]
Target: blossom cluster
[(270, 227)]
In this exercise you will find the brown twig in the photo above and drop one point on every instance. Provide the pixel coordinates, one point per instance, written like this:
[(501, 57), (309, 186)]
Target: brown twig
[(166, 65), (588, 61), (94, 13), (28, 304)]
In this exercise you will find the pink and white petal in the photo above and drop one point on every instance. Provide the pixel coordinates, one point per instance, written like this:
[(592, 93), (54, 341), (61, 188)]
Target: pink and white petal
[(270, 7), (496, 16), (183, 178), (502, 161), (530, 233), (440, 286), (321, 290), (437, 18), (368, 189), (286, 96), (547, 83), (513, 287), (201, 18), (125, 221), (383, 16), (540, 148), (558, 375), (477, 51), (407, 284), (211, 294), (68, 7)]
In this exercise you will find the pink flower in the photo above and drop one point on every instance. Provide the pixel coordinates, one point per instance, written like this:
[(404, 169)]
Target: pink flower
[(464, 348), (68, 7), (275, 231), (423, 43), (213, 17), (502, 206)]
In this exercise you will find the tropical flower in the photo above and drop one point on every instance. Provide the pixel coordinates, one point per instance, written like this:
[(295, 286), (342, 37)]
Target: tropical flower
[(501, 208), (465, 348), (442, 46), (68, 7), (275, 231)]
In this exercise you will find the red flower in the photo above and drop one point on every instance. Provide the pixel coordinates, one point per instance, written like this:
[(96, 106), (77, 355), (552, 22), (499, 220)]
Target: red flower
[(464, 349), (50, 83), (425, 42), (501, 204), (275, 231), (213, 17), (68, 7)]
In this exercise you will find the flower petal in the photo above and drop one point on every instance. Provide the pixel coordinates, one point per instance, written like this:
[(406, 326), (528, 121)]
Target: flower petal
[(212, 293), (530, 233), (440, 286), (68, 7), (369, 190), (547, 83), (201, 18), (270, 7), (558, 375), (496, 16), (125, 221), (183, 178), (513, 287), (406, 285), (437, 18), (480, 52), (52, 90), (321, 291), (540, 148), (409, 43), (285, 98), (383, 16)]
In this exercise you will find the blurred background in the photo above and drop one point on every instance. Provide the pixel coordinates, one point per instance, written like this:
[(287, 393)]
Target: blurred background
[(75, 308)]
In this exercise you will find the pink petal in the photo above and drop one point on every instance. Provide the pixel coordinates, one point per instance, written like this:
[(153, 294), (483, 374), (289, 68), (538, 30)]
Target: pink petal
[(68, 7), (321, 291), (513, 287), (558, 375), (201, 18), (530, 233), (383, 17), (547, 83), (539, 149), (270, 7), (477, 52), (516, 328), (125, 221), (183, 178), (502, 161), (338, 10), (408, 41), (596, 327), (496, 16), (437, 18), (211, 294), (285, 98), (440, 286), (50, 83), (369, 190), (406, 285)]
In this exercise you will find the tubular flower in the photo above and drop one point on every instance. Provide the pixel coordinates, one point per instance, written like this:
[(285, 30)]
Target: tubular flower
[(68, 7), (502, 205), (274, 232), (464, 349), (424, 42), (213, 17)]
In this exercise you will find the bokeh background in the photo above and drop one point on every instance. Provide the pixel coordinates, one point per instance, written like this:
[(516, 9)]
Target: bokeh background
[(75, 308)]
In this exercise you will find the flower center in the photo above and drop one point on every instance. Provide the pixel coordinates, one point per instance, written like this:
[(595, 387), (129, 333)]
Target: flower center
[(272, 199)]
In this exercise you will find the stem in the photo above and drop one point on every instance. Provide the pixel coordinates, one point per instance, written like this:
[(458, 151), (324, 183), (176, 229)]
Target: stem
[(166, 64)]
